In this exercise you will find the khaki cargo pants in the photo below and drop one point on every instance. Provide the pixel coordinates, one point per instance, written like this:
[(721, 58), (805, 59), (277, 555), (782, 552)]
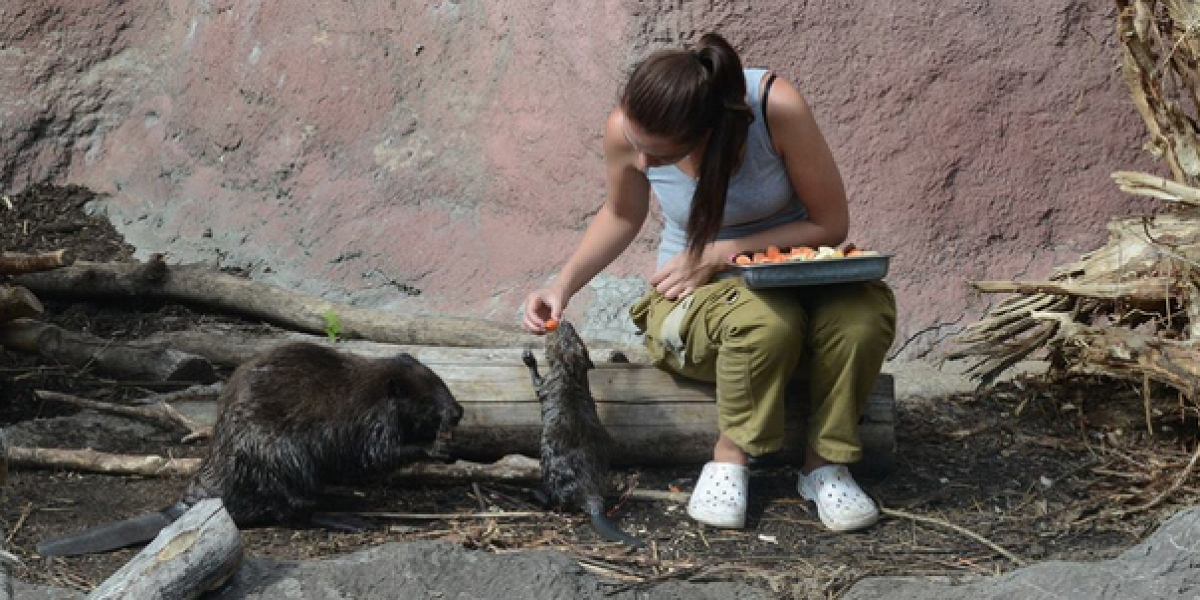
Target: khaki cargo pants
[(749, 342)]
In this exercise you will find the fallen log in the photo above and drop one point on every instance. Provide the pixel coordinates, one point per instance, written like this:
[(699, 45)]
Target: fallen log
[(195, 554), (17, 302), (514, 467), (92, 461), (653, 416), (210, 391), (12, 263), (202, 285), (232, 348), (1145, 184), (1145, 290), (134, 360)]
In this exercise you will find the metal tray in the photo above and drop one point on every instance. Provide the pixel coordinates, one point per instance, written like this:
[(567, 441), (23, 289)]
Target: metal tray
[(816, 271)]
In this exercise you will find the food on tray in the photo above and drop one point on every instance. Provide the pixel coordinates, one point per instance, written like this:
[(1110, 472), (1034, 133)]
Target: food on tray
[(777, 254)]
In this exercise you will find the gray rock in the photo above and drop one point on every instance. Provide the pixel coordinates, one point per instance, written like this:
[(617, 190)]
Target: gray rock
[(449, 572), (25, 591), (435, 570), (1166, 565)]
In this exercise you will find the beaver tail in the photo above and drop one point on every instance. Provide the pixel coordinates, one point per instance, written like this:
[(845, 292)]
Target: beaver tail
[(606, 529), (113, 536)]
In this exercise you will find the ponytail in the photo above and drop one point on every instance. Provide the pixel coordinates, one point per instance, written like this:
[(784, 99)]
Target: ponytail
[(683, 95)]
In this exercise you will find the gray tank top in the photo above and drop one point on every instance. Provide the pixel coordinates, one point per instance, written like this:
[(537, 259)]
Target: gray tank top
[(760, 195)]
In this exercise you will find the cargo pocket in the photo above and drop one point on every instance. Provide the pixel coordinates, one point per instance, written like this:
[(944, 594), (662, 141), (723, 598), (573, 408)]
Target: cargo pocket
[(671, 331), (664, 325), (641, 313)]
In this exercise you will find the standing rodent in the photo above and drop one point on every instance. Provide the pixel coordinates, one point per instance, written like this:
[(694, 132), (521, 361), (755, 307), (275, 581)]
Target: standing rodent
[(293, 418), (574, 445)]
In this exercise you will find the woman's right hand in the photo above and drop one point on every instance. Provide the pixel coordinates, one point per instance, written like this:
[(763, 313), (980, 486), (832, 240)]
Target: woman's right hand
[(541, 306)]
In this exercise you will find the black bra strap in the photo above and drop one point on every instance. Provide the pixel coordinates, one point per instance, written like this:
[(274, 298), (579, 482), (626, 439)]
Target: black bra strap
[(767, 92)]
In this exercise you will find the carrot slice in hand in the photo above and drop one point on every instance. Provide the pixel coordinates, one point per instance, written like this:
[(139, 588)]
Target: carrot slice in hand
[(551, 324)]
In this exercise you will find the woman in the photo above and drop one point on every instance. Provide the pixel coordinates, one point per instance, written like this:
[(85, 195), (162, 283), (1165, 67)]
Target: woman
[(737, 162)]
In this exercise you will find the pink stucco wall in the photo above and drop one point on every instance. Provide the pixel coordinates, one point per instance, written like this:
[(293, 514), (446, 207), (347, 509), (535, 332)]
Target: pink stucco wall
[(443, 157)]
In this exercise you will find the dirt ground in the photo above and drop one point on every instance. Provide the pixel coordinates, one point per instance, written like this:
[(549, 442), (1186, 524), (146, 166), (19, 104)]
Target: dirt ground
[(1037, 470)]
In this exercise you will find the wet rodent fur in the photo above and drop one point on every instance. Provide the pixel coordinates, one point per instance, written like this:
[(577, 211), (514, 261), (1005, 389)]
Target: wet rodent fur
[(574, 444), (300, 415)]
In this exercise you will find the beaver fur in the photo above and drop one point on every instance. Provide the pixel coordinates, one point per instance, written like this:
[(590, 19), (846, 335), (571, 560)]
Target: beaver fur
[(294, 418), (574, 443)]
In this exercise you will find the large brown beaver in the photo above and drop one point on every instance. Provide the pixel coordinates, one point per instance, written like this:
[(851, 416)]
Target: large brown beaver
[(574, 445), (291, 419)]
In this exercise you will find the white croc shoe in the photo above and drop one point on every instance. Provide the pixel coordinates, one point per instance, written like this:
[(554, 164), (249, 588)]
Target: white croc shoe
[(841, 504), (720, 497)]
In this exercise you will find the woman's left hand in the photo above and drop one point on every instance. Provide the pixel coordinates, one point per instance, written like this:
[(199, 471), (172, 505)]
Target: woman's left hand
[(683, 273)]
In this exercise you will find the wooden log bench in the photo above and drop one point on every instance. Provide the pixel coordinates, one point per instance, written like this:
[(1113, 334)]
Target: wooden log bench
[(653, 416)]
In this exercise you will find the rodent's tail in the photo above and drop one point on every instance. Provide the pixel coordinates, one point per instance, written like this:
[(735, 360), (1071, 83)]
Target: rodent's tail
[(607, 530), (112, 536)]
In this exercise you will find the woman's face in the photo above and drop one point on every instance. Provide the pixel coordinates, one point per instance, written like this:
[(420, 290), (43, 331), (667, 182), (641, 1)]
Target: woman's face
[(654, 151)]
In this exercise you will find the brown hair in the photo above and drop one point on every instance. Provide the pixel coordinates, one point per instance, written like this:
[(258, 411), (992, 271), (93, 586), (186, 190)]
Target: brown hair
[(682, 95)]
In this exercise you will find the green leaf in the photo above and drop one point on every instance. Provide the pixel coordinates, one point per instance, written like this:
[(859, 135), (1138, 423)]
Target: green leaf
[(333, 325)]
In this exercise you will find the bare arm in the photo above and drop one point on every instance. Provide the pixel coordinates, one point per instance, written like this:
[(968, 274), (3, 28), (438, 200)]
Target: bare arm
[(814, 176), (626, 204)]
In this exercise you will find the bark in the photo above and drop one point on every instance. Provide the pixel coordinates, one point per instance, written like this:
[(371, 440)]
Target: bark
[(17, 302), (92, 461), (202, 286), (12, 263), (1126, 354), (131, 360), (231, 348), (198, 552), (1144, 184), (513, 467)]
